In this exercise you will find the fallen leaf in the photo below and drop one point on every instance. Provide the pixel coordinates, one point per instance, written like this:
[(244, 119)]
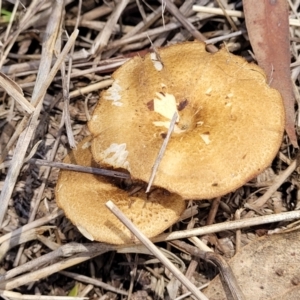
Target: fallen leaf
[(267, 268), (268, 29)]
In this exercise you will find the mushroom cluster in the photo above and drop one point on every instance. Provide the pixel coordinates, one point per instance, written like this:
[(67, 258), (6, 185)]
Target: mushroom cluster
[(228, 129)]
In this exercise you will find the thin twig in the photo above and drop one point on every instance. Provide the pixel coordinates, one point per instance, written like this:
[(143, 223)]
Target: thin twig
[(229, 19), (231, 13), (91, 88), (14, 90), (13, 139), (142, 26), (35, 203), (162, 151), (62, 252), (102, 39), (15, 296), (229, 282), (223, 37), (66, 87), (76, 168), (213, 211), (156, 252), (218, 11), (27, 236), (95, 282), (150, 32), (71, 167), (238, 233), (40, 222), (231, 225), (274, 187), (186, 24), (11, 20), (183, 296)]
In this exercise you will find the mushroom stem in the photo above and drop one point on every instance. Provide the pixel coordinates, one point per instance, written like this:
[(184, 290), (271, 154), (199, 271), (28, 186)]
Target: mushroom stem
[(162, 151), (155, 251)]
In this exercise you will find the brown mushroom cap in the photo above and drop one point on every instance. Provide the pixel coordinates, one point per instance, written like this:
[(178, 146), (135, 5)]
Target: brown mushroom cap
[(230, 122), (83, 196)]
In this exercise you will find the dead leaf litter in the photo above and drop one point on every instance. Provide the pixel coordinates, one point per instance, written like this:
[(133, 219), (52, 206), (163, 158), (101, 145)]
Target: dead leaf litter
[(55, 59)]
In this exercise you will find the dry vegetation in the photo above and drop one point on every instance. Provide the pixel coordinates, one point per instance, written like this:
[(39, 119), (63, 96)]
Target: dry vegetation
[(44, 108)]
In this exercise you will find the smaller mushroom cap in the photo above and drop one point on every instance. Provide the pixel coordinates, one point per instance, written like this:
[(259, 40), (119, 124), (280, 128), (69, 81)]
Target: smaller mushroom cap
[(83, 196)]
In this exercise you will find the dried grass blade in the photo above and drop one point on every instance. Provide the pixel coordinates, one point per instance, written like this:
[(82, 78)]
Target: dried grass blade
[(231, 13), (230, 225), (103, 37), (66, 87), (42, 84), (15, 91), (64, 251), (29, 235), (172, 8), (95, 282), (16, 296), (34, 224), (51, 269)]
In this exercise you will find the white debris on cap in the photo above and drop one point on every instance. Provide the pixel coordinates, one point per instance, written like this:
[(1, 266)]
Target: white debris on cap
[(113, 94), (116, 155), (86, 145), (165, 105), (205, 138), (156, 62)]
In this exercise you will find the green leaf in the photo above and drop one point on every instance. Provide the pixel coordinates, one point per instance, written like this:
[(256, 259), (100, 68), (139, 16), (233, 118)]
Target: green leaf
[(74, 291), (5, 15)]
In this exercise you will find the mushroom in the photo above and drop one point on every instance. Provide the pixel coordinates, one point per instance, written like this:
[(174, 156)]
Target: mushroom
[(83, 196), (229, 127)]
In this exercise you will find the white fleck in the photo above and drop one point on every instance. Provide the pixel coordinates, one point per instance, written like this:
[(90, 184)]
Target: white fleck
[(117, 103), (230, 95), (156, 61), (208, 91), (86, 145), (165, 105), (205, 138), (85, 233), (116, 155), (167, 124), (113, 94), (200, 123), (228, 104), (162, 124)]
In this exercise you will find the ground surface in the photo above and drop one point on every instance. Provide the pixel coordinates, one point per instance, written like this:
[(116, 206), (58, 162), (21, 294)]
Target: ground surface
[(33, 34)]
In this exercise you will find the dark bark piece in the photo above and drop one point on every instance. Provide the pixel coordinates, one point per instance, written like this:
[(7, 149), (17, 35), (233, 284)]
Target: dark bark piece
[(268, 28)]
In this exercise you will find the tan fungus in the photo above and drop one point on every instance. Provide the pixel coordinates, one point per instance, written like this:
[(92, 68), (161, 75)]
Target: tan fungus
[(83, 196), (229, 129)]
